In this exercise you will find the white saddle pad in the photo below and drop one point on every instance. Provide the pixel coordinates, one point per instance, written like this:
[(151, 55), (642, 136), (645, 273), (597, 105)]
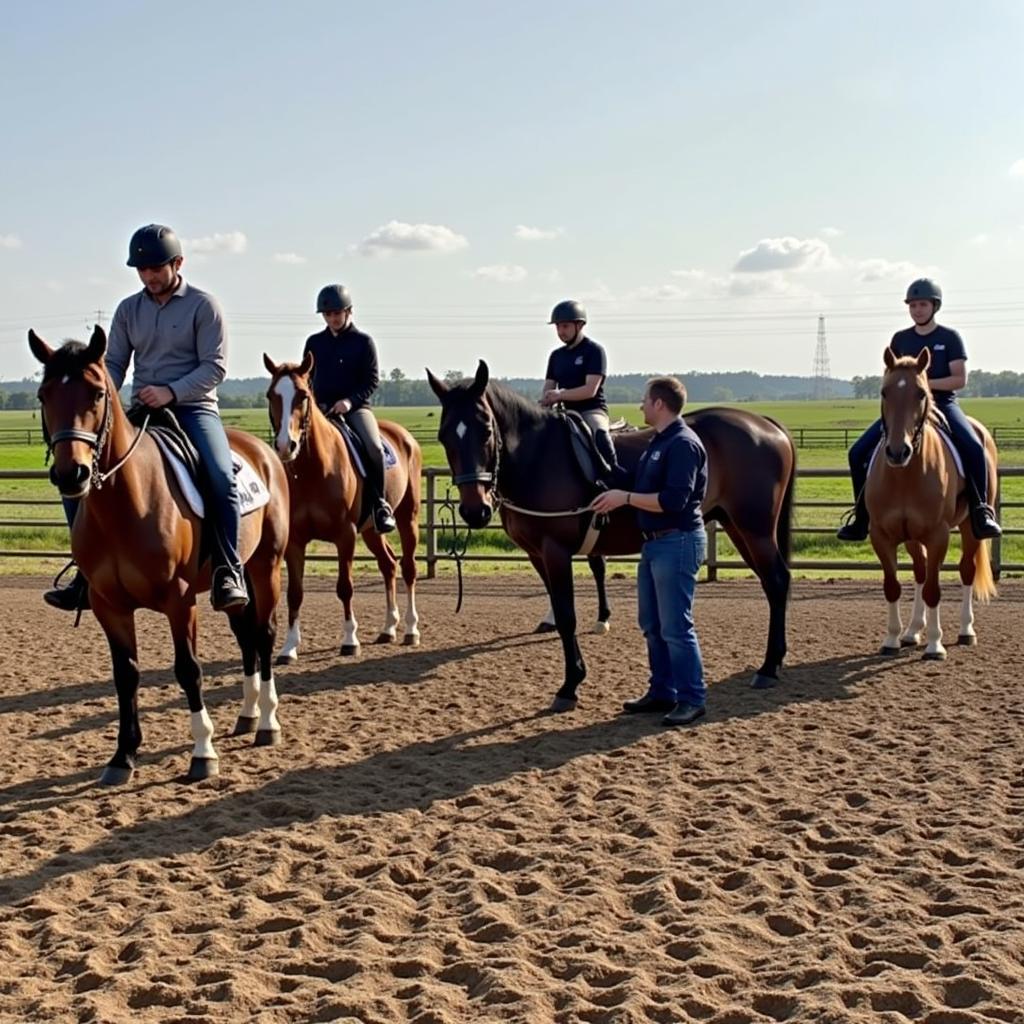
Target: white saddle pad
[(390, 458), (252, 492), (949, 444)]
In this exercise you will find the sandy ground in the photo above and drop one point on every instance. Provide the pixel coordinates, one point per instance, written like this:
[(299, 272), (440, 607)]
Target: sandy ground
[(425, 847)]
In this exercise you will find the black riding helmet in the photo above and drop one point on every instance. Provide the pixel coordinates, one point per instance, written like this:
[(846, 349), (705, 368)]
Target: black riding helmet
[(568, 311), (925, 288), (153, 246), (333, 298)]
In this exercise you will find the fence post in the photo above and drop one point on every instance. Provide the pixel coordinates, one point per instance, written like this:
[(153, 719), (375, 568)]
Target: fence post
[(712, 559), (431, 526)]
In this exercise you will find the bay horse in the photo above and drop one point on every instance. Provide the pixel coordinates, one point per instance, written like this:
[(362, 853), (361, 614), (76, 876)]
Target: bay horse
[(326, 497), (915, 496), (506, 452), (138, 543)]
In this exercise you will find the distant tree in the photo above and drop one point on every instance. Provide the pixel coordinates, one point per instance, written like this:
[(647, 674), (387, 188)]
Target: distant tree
[(397, 375), (721, 394), (453, 376)]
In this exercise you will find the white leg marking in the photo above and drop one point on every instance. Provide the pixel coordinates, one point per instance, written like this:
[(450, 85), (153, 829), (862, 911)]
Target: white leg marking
[(250, 693), (390, 618), (350, 639), (268, 706), (549, 619), (290, 650), (412, 619), (912, 634), (892, 636), (202, 733), (966, 611), (934, 634)]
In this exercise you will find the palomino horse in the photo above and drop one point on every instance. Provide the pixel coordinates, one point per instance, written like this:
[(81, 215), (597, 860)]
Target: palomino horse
[(326, 497), (138, 543), (915, 496), (506, 451)]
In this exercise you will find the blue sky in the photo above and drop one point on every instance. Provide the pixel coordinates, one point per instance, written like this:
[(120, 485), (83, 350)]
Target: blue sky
[(707, 178)]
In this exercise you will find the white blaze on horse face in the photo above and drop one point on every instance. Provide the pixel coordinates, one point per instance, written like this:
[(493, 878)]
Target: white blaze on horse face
[(285, 390), (460, 430)]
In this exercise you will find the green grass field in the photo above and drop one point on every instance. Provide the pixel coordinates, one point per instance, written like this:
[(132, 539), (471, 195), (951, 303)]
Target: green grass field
[(422, 421)]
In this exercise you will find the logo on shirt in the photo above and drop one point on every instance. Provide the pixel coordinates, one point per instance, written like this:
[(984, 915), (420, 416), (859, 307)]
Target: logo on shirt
[(940, 348), (579, 360), (655, 456)]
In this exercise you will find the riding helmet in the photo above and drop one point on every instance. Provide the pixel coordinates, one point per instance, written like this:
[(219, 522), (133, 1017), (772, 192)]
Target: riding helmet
[(568, 311), (333, 298), (924, 288), (153, 246)]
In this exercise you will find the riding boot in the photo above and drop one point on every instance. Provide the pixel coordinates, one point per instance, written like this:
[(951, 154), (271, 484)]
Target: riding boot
[(71, 598), (383, 516), (983, 516), (612, 472), (227, 580), (857, 523)]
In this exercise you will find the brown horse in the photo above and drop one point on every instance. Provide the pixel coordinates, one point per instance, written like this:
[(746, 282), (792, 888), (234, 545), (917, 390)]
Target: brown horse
[(506, 452), (138, 544), (326, 497), (915, 496)]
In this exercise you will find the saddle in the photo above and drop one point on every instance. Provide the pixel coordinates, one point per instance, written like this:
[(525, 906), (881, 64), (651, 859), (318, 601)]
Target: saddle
[(591, 462), (357, 450)]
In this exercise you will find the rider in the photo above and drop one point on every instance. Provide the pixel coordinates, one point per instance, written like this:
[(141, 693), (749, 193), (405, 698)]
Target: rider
[(176, 334), (345, 376), (946, 373), (575, 376)]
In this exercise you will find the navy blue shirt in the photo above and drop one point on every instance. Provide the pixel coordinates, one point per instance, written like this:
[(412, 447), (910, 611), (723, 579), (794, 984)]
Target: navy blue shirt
[(570, 367), (345, 367), (945, 345), (675, 467)]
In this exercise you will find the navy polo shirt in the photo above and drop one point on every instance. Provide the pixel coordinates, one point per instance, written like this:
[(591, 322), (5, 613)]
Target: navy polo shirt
[(345, 367), (570, 367), (675, 467), (945, 345)]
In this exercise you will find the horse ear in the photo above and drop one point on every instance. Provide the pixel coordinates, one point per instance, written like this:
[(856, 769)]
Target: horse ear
[(270, 365), (306, 366), (481, 378), (40, 349), (97, 345), (924, 360), (438, 387), (889, 357)]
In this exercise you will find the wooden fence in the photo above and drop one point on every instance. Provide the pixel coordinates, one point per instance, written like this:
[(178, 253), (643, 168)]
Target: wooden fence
[(434, 531)]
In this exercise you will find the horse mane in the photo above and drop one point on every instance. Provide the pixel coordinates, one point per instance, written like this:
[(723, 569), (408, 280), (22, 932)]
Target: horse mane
[(509, 404), (67, 361)]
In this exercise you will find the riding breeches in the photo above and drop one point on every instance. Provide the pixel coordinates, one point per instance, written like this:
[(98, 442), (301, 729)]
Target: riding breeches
[(364, 423), (600, 427)]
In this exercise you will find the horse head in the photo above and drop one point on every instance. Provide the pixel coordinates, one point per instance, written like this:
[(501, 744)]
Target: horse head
[(469, 434), (906, 404), (76, 408), (290, 403)]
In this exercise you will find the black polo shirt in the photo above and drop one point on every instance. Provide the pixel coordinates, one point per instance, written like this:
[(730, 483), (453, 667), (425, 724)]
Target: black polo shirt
[(570, 367), (675, 467), (945, 345), (345, 367)]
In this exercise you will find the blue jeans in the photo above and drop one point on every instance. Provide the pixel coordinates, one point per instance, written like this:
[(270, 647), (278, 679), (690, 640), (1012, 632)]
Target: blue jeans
[(666, 581), (206, 431)]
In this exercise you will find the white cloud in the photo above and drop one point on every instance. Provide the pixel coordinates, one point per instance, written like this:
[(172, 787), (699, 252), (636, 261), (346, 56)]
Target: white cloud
[(879, 269), (1017, 169), (10, 242), (980, 239), (832, 232), (233, 242), (691, 276), (527, 234), (397, 236), (501, 273), (289, 257), (657, 293), (786, 253)]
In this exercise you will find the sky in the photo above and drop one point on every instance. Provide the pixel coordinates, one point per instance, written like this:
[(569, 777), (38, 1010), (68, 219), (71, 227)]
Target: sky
[(707, 178)]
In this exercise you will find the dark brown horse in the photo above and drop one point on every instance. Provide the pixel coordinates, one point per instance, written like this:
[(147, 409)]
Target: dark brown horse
[(915, 496), (501, 446), (326, 497), (138, 543)]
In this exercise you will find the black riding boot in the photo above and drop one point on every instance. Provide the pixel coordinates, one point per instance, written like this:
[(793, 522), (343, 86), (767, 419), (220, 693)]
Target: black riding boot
[(983, 516), (227, 581), (70, 598), (857, 523), (614, 473), (383, 517)]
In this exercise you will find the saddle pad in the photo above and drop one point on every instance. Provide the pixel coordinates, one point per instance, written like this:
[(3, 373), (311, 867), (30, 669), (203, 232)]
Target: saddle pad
[(252, 492), (390, 458), (949, 444)]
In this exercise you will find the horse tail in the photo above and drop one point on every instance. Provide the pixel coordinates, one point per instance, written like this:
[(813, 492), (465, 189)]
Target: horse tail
[(784, 530), (984, 588)]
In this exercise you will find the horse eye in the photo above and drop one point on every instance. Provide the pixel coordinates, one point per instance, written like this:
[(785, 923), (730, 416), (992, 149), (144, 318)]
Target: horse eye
[(97, 395)]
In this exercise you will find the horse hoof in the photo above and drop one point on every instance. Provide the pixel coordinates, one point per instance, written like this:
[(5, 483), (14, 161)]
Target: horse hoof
[(411, 640), (600, 628), (909, 641), (349, 650), (203, 768), (967, 640), (244, 725), (889, 652), (286, 659), (267, 738), (545, 627), (562, 704), (763, 682), (113, 775), (385, 638), (933, 656)]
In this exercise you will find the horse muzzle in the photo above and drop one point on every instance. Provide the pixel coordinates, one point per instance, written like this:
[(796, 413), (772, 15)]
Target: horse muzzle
[(73, 482), (900, 457), (475, 516)]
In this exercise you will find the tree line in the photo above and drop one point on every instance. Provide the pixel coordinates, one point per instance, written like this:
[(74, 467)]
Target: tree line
[(980, 384)]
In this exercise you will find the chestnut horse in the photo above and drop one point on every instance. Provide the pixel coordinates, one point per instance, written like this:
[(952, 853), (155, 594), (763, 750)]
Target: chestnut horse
[(915, 496), (138, 544), (326, 497), (506, 452)]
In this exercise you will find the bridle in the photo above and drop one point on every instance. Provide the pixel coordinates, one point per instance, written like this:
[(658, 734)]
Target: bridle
[(304, 421), (917, 435)]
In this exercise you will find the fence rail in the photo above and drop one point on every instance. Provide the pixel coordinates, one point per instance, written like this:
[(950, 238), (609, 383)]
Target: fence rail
[(432, 529)]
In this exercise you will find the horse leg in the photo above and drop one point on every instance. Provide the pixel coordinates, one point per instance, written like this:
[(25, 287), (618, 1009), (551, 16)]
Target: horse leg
[(295, 559), (187, 670), (599, 570), (255, 630), (934, 651), (243, 626), (762, 554), (969, 545), (119, 627), (345, 590), (388, 566), (409, 533), (911, 636), (558, 573), (886, 552)]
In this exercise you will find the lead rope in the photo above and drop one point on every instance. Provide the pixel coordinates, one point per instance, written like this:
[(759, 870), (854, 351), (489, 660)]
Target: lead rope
[(452, 541)]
